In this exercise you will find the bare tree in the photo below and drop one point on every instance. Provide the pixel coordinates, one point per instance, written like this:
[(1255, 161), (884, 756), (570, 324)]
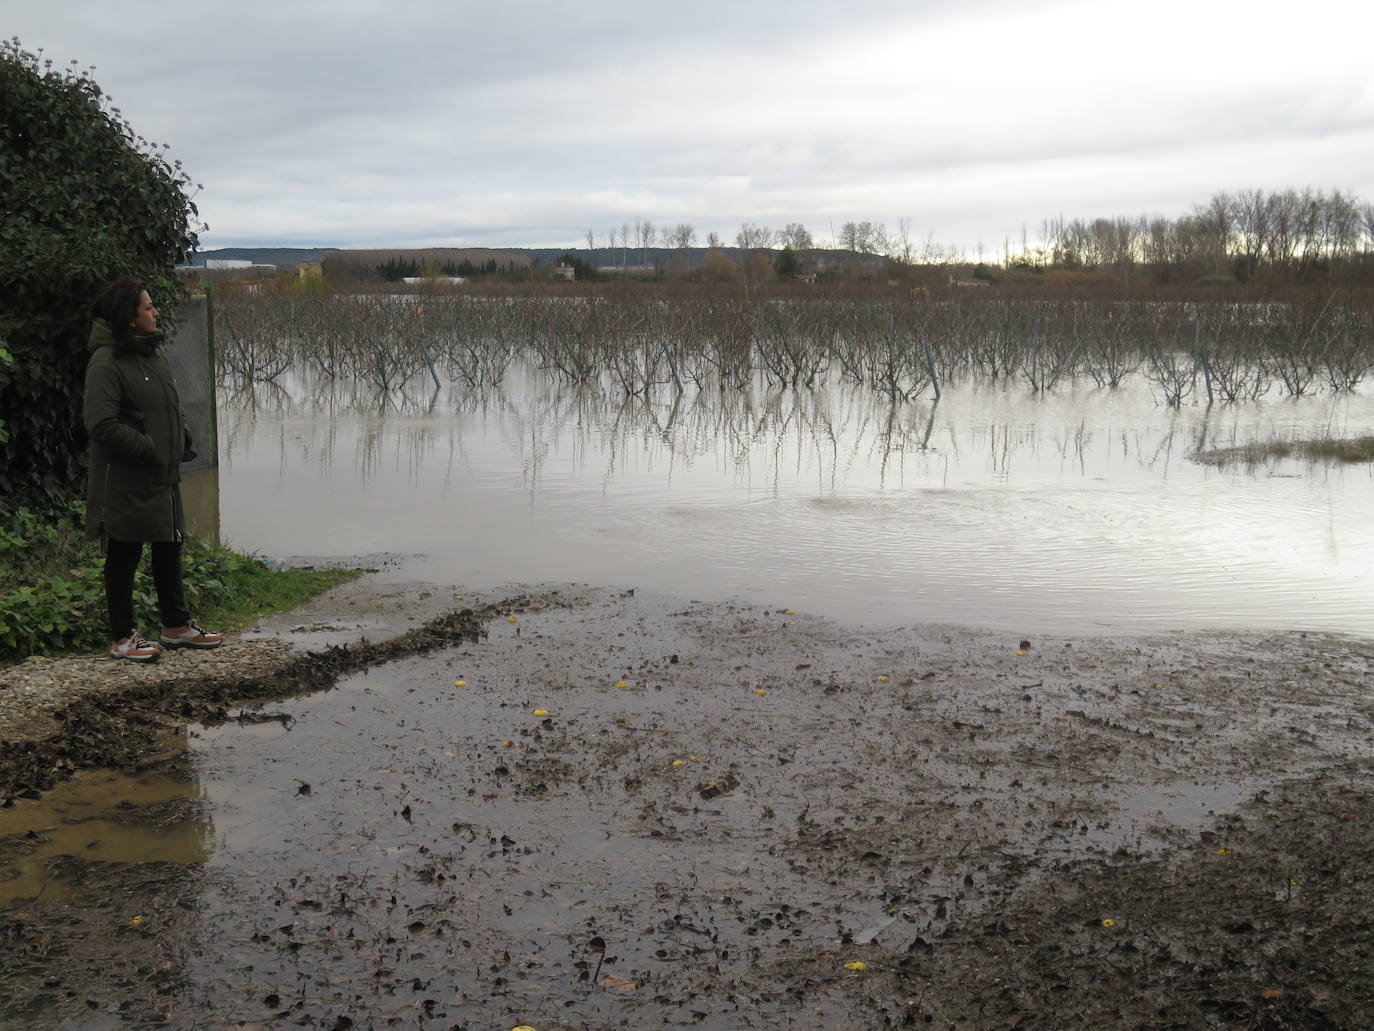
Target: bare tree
[(681, 236), (879, 242), (933, 253), (713, 239), (1284, 217), (1214, 223), (646, 240), (796, 236), (901, 241), (591, 246), (1251, 215), (864, 237), (752, 237), (1340, 225)]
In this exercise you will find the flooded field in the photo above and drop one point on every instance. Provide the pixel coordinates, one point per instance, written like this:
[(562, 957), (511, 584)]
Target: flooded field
[(831, 706), (1076, 510)]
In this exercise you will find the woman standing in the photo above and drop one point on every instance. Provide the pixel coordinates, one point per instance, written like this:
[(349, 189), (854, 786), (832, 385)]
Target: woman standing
[(138, 441)]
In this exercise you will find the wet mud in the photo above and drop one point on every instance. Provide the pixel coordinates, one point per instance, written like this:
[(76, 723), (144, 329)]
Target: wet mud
[(619, 810)]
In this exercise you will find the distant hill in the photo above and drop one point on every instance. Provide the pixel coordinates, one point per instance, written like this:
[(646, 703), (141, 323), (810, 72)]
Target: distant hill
[(265, 255), (669, 257), (510, 256), (602, 257)]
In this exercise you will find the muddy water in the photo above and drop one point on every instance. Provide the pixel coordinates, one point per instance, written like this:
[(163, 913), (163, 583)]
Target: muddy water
[(154, 817), (1077, 511), (649, 810)]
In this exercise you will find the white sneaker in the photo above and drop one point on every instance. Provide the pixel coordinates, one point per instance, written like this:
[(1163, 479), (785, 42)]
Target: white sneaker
[(192, 635), (135, 648)]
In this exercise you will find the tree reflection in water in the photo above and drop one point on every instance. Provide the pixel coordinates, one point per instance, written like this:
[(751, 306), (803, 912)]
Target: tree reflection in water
[(997, 505)]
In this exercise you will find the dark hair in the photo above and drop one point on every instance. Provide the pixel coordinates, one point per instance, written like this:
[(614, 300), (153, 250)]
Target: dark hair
[(117, 304)]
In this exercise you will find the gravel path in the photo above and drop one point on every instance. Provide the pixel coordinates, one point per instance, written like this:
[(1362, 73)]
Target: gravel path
[(33, 694), (36, 694)]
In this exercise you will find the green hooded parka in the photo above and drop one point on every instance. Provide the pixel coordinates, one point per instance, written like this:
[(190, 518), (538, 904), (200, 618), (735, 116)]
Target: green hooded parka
[(138, 436)]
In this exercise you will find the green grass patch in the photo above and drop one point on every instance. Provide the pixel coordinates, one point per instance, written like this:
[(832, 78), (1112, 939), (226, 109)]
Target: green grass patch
[(52, 593), (1344, 449), (257, 591)]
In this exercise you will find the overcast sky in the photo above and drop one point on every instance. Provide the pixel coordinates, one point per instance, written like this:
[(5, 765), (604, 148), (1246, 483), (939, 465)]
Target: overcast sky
[(360, 123)]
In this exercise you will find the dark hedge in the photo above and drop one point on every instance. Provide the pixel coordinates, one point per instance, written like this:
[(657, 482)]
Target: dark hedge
[(85, 200)]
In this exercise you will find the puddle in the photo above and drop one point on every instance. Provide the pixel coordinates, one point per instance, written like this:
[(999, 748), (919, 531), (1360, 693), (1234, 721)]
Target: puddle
[(102, 817)]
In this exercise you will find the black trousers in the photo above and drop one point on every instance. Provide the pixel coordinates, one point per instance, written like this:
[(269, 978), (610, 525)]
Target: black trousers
[(121, 562)]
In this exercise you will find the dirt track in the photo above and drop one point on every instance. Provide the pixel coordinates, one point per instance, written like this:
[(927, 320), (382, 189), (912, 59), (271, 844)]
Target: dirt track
[(718, 810)]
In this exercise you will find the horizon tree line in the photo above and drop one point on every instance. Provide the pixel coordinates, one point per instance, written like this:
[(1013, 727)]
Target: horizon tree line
[(1288, 233)]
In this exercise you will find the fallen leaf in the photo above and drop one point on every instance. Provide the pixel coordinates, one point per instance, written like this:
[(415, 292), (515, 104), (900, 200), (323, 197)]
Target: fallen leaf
[(789, 612), (882, 676), (857, 964), (695, 758), (760, 690), (507, 744), (511, 619), (1224, 852), (460, 683), (619, 983), (1108, 922), (1020, 651), (678, 762), (136, 921), (541, 712), (720, 787), (1273, 993), (622, 683)]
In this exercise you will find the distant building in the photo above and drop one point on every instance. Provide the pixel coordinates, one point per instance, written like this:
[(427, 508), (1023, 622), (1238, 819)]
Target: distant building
[(225, 265), (564, 271)]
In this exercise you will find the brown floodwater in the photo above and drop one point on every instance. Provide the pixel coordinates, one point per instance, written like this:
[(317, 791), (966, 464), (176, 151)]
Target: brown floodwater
[(1075, 511), (102, 817)]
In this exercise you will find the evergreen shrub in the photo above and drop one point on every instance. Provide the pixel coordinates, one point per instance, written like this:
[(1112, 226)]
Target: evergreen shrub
[(85, 200)]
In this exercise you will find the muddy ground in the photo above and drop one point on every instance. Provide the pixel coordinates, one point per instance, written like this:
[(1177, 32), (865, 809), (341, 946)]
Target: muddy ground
[(591, 809)]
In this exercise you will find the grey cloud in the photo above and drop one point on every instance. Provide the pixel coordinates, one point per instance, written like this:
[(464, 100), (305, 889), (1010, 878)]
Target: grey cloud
[(360, 122)]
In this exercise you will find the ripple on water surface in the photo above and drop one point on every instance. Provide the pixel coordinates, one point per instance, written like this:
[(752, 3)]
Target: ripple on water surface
[(1073, 510)]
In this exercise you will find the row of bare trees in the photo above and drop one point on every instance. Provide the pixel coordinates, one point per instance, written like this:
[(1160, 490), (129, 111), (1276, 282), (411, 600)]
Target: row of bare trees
[(1289, 233), (901, 348), (631, 242)]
